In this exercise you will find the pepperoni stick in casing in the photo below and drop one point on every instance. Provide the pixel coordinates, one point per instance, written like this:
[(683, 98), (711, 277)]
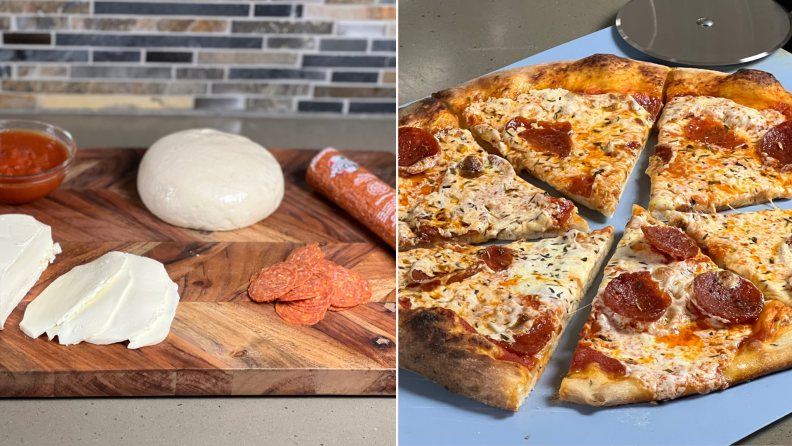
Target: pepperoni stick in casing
[(357, 191)]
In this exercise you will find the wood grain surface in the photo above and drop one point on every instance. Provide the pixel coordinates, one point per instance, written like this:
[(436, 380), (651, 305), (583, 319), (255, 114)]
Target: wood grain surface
[(220, 343)]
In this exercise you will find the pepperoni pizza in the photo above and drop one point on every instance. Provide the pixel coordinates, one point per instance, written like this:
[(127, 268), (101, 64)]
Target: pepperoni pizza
[(450, 189), (484, 321), (580, 125), (725, 141), (668, 322), (755, 245)]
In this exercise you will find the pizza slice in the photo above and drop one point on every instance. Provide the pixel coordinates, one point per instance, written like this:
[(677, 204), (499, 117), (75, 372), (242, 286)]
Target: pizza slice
[(755, 245), (450, 189), (724, 142), (580, 126), (668, 322), (484, 321)]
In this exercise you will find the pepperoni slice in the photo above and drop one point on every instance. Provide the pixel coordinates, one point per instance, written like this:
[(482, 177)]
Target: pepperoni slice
[(728, 296), (314, 304), (636, 296), (365, 289), (777, 146), (324, 266), (273, 283), (784, 109), (308, 254), (289, 313), (405, 303), (360, 296), (533, 342), (548, 137), (314, 287), (505, 355), (498, 258), (633, 145), (416, 144), (562, 211), (650, 103), (337, 309), (469, 328), (671, 242), (709, 131), (344, 287), (581, 185), (419, 276), (585, 355), (664, 152), (427, 283)]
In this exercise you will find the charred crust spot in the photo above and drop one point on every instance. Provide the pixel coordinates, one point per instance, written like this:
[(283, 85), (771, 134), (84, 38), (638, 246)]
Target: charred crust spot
[(760, 78), (437, 327), (421, 111), (601, 61)]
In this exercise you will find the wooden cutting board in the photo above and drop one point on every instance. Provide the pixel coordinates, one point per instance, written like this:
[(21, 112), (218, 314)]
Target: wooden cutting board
[(221, 343)]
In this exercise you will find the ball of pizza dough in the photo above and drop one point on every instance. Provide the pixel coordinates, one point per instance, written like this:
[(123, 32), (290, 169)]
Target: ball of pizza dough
[(210, 180)]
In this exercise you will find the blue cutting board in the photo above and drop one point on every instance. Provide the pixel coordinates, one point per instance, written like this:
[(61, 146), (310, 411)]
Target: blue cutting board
[(429, 414)]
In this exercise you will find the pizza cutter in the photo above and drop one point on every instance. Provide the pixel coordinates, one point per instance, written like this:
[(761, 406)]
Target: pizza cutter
[(705, 32)]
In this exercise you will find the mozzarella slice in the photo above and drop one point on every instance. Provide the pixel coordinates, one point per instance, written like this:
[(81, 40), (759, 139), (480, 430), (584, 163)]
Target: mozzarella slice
[(26, 248), (69, 293), (159, 331), (95, 315), (143, 304)]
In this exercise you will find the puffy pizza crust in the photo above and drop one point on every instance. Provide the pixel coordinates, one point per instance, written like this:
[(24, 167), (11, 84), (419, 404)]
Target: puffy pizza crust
[(596, 388), (433, 343), (752, 88), (428, 114), (596, 74)]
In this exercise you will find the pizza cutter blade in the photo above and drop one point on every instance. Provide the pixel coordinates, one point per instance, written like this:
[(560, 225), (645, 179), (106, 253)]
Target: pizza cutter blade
[(705, 32)]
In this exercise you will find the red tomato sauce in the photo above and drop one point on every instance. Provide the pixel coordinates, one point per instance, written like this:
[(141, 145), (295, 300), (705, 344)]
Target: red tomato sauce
[(29, 153)]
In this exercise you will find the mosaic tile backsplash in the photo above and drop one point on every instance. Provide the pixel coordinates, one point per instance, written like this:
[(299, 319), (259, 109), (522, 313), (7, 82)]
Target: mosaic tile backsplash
[(329, 57)]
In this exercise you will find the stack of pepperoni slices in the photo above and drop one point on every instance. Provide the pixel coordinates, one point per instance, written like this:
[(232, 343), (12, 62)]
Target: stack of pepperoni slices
[(306, 285)]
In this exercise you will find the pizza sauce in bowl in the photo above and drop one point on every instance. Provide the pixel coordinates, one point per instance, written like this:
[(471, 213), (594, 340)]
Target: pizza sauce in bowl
[(34, 158)]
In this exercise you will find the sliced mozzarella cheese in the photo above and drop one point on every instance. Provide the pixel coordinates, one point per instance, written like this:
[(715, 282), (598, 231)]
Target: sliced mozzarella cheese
[(159, 331), (69, 293), (26, 248), (96, 314), (143, 304)]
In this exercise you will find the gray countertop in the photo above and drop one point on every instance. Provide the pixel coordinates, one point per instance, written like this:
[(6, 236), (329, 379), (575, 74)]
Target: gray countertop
[(118, 130), (446, 42), (208, 420)]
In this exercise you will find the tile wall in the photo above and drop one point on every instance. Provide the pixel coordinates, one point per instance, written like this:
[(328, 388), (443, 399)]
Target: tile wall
[(300, 58)]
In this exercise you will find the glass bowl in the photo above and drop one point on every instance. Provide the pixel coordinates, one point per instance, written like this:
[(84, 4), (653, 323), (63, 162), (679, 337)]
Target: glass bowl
[(21, 189)]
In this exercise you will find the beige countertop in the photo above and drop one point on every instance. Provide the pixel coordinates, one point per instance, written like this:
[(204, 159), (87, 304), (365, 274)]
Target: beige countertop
[(446, 42)]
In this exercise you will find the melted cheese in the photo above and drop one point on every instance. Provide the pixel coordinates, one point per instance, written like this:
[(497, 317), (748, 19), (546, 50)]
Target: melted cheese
[(680, 350), (499, 304), (751, 244), (704, 177), (602, 127), (495, 205)]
